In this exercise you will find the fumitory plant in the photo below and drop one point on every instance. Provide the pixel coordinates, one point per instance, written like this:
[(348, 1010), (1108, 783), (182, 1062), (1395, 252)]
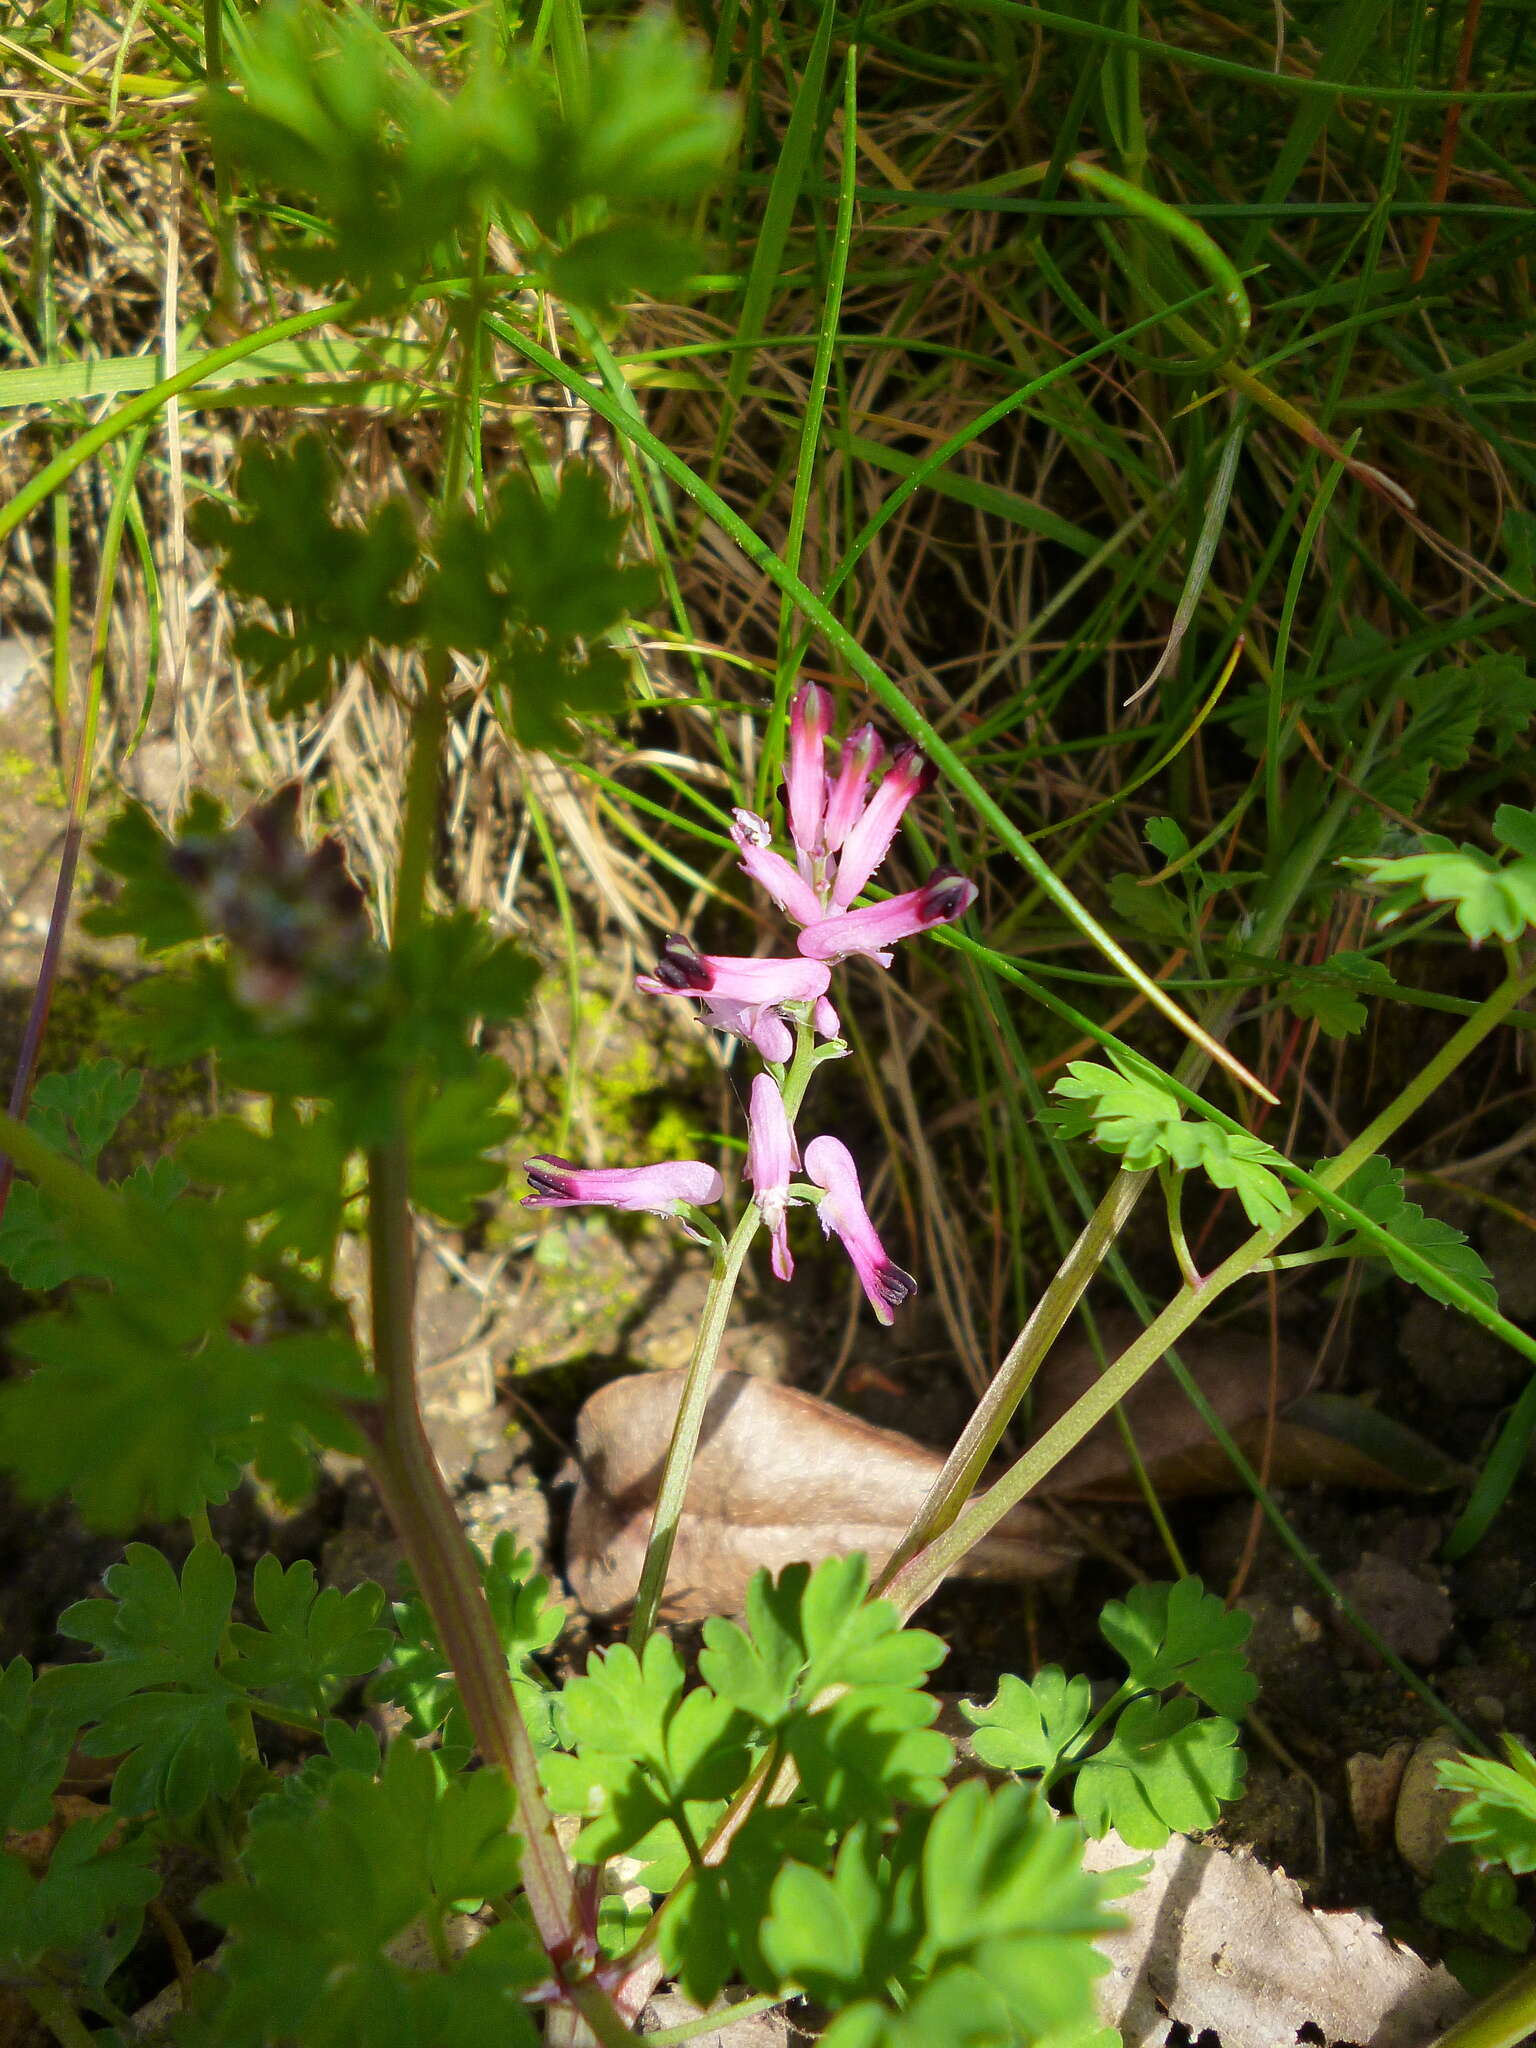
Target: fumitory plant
[(790, 1818), (841, 828)]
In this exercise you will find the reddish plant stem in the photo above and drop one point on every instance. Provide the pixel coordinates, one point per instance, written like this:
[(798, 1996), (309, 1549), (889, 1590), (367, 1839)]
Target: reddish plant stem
[(403, 1468), (1448, 139)]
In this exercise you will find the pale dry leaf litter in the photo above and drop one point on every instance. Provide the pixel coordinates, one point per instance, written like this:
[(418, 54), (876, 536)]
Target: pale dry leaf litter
[(1218, 1944), (780, 1478)]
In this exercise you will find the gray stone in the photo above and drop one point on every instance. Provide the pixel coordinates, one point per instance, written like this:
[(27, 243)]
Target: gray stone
[(521, 1510), (1410, 1610)]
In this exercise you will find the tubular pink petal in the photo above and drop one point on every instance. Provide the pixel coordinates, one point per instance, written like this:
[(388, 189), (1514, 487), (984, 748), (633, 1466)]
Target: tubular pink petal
[(681, 971), (830, 1164), (772, 1036), (826, 1020), (863, 751), (771, 1154), (760, 1022), (805, 777), (941, 899), (770, 1161), (788, 888), (663, 1189), (870, 839)]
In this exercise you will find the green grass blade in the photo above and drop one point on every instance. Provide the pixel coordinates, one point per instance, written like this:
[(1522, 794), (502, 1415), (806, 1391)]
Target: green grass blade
[(783, 192)]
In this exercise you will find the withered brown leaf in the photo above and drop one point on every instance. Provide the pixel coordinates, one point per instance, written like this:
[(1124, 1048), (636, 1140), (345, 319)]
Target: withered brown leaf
[(783, 1478), (780, 1478)]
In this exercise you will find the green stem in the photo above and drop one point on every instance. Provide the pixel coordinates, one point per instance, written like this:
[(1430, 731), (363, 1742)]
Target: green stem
[(1502, 2020), (1431, 1076), (700, 1373), (418, 831), (710, 2022), (982, 1434), (921, 1574), (59, 2016), (690, 1421), (1077, 1750)]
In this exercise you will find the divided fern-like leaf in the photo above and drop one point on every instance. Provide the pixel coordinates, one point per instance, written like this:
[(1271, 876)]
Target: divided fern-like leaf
[(1377, 1189), (156, 1696), (1498, 1818), (1492, 899), (1133, 1115), (311, 1642), (1332, 993), (978, 1916), (327, 1889), (527, 1621), (1144, 1764), (1031, 1725), (1165, 1769), (1182, 1635)]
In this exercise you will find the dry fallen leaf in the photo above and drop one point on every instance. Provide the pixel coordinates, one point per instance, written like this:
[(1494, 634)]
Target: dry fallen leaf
[(1231, 1371), (1217, 1942), (1316, 1438), (783, 1478), (780, 1478)]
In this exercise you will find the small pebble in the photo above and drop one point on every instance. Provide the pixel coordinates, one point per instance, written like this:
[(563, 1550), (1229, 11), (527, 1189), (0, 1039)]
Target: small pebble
[(1424, 1806), (1409, 1610), (1307, 1626)]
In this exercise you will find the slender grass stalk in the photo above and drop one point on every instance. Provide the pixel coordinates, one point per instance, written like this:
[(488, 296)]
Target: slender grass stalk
[(1085, 27), (79, 796), (816, 398), (921, 1576), (1503, 2020), (147, 403)]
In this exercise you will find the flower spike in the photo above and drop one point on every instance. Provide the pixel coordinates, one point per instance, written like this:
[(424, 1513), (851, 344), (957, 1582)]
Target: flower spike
[(771, 1158), (830, 1164)]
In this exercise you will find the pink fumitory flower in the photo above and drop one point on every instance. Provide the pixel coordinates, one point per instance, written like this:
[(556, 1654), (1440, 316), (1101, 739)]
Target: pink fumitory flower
[(743, 995), (664, 1190), (830, 1165), (771, 1158), (945, 896), (842, 832), (805, 773)]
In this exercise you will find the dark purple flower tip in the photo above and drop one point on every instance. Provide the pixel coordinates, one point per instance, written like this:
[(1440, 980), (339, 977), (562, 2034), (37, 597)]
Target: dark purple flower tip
[(550, 1177), (892, 1284), (913, 769), (946, 895), (679, 965)]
